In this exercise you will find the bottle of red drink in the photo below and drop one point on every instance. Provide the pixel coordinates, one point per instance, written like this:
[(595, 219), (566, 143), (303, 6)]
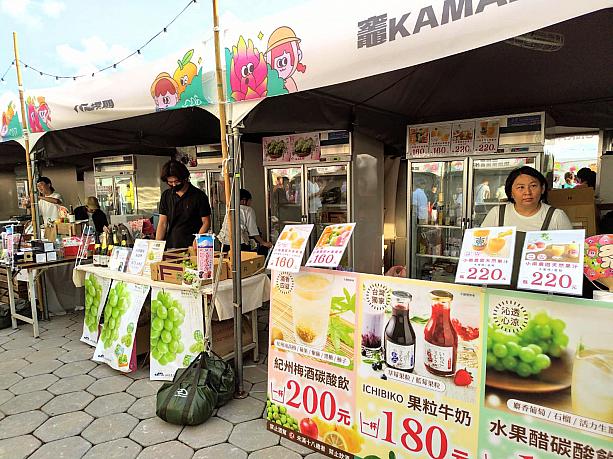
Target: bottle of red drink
[(399, 335), (441, 340)]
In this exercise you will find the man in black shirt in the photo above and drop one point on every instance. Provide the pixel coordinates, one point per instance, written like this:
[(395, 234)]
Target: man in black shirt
[(184, 209)]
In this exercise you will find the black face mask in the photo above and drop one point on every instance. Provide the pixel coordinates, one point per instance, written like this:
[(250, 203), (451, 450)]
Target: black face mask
[(176, 187)]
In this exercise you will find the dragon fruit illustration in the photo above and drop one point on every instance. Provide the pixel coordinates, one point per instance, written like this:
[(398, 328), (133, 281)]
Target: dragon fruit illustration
[(33, 119), (248, 72)]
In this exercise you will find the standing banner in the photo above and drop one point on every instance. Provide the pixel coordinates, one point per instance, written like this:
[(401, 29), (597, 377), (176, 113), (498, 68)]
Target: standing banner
[(486, 257), (549, 377), (409, 377), (205, 254), (177, 331), (116, 343), (96, 291), (552, 261)]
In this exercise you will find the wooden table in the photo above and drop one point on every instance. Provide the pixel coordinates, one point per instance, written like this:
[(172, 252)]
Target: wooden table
[(33, 270)]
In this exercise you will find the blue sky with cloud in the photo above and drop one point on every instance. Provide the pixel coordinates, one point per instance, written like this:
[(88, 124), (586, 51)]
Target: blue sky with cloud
[(72, 37)]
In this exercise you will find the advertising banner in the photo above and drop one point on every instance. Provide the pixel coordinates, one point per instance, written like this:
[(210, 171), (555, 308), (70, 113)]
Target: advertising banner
[(549, 377), (96, 291), (121, 311), (10, 125), (205, 254), (331, 245), (373, 367), (177, 331)]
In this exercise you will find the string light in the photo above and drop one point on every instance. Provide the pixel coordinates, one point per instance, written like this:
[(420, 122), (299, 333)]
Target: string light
[(7, 71), (111, 66)]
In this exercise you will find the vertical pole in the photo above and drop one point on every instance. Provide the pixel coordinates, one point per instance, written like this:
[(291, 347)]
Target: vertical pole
[(236, 266), (24, 124)]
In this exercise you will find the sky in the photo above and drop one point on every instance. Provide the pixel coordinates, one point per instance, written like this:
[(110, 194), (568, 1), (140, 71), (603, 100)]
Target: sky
[(72, 37)]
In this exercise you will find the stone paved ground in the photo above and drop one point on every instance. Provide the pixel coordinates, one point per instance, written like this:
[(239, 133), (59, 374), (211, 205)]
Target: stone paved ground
[(57, 403)]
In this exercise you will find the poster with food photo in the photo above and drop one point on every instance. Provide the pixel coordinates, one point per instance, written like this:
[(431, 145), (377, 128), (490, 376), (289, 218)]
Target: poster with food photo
[(462, 137), (440, 140), (305, 147), (276, 149), (549, 373), (419, 138)]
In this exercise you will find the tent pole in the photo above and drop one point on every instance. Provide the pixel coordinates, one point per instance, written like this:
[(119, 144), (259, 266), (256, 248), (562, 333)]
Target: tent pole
[(26, 136), (230, 208), (236, 265)]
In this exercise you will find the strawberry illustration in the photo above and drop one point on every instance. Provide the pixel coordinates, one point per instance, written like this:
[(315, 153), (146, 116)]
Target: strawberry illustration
[(462, 378)]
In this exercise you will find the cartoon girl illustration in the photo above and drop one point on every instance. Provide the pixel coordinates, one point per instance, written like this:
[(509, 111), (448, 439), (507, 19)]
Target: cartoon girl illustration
[(165, 92), (284, 55)]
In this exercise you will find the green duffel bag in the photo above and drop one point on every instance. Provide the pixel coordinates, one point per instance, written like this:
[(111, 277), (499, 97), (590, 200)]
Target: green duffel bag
[(221, 378), (189, 399)]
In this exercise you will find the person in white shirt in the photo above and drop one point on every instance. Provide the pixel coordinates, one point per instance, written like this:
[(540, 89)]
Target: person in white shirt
[(526, 189), (49, 200), (420, 201), (248, 228)]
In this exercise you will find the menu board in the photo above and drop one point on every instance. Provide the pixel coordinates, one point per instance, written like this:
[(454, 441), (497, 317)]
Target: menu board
[(440, 140), (487, 256), (486, 136), (305, 147), (419, 141), (276, 149), (462, 138), (331, 245), (552, 261), (365, 366)]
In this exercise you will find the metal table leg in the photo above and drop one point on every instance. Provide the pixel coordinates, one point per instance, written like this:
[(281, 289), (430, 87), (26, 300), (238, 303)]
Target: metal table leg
[(9, 279), (254, 330), (31, 292)]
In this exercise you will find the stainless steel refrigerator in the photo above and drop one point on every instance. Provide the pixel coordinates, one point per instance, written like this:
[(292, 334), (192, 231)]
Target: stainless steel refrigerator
[(449, 194), (324, 192)]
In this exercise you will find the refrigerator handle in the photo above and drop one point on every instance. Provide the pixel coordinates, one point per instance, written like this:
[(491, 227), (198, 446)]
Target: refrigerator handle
[(304, 219)]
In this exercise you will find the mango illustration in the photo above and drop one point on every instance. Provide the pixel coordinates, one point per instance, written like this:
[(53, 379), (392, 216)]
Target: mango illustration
[(185, 72)]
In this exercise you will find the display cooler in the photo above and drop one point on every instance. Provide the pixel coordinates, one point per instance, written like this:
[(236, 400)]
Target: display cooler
[(128, 187), (456, 175), (339, 181)]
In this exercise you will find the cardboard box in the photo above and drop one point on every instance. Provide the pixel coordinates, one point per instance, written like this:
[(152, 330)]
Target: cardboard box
[(172, 271), (580, 206), (222, 335), (251, 263), (175, 254), (69, 229)]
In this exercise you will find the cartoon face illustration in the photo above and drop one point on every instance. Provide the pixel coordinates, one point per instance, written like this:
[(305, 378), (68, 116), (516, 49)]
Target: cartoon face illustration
[(248, 72), (165, 91), (592, 251), (185, 73), (33, 120), (284, 55)]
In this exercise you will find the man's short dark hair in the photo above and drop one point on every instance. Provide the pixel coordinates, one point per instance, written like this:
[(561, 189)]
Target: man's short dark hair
[(244, 195), (46, 181), (174, 169)]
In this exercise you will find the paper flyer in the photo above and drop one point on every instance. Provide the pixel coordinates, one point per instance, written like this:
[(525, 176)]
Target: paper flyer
[(288, 252), (96, 291), (205, 254), (331, 245), (177, 331)]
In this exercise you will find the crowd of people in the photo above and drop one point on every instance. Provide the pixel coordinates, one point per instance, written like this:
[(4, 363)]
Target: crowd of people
[(585, 177)]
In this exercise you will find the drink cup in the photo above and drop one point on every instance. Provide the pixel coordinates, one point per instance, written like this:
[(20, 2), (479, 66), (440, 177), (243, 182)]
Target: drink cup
[(311, 309), (480, 238)]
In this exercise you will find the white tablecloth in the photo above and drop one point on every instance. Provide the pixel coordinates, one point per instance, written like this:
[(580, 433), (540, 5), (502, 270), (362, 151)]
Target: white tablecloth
[(256, 289)]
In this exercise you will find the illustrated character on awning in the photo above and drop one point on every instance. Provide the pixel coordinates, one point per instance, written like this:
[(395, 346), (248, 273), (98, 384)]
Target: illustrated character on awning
[(285, 56)]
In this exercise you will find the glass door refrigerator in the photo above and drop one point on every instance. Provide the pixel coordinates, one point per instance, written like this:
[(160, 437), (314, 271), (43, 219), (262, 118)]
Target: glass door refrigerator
[(437, 217), (210, 180), (449, 194)]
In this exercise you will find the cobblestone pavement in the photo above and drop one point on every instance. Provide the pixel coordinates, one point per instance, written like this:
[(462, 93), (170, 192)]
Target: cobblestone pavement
[(55, 402)]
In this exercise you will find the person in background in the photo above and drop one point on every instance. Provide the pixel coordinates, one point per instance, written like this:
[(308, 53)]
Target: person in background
[(586, 177), (98, 217), (432, 194), (49, 200), (184, 209), (481, 196), (420, 201), (569, 180), (249, 227)]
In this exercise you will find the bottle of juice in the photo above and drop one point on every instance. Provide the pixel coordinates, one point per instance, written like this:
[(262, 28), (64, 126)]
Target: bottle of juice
[(97, 249), (399, 335), (441, 340)]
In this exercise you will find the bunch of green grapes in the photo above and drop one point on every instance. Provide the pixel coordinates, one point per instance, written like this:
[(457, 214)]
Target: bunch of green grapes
[(278, 414), (117, 304), (93, 292), (528, 352), (166, 318)]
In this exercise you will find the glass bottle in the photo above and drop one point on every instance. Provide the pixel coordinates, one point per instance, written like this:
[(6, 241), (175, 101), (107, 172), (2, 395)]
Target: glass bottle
[(440, 338), (399, 334), (104, 254), (96, 255)]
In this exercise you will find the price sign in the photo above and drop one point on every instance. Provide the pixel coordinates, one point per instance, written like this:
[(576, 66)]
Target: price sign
[(462, 137), (487, 256), (419, 141), (289, 249), (138, 257), (552, 261), (119, 259), (331, 245), (486, 138), (440, 140)]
